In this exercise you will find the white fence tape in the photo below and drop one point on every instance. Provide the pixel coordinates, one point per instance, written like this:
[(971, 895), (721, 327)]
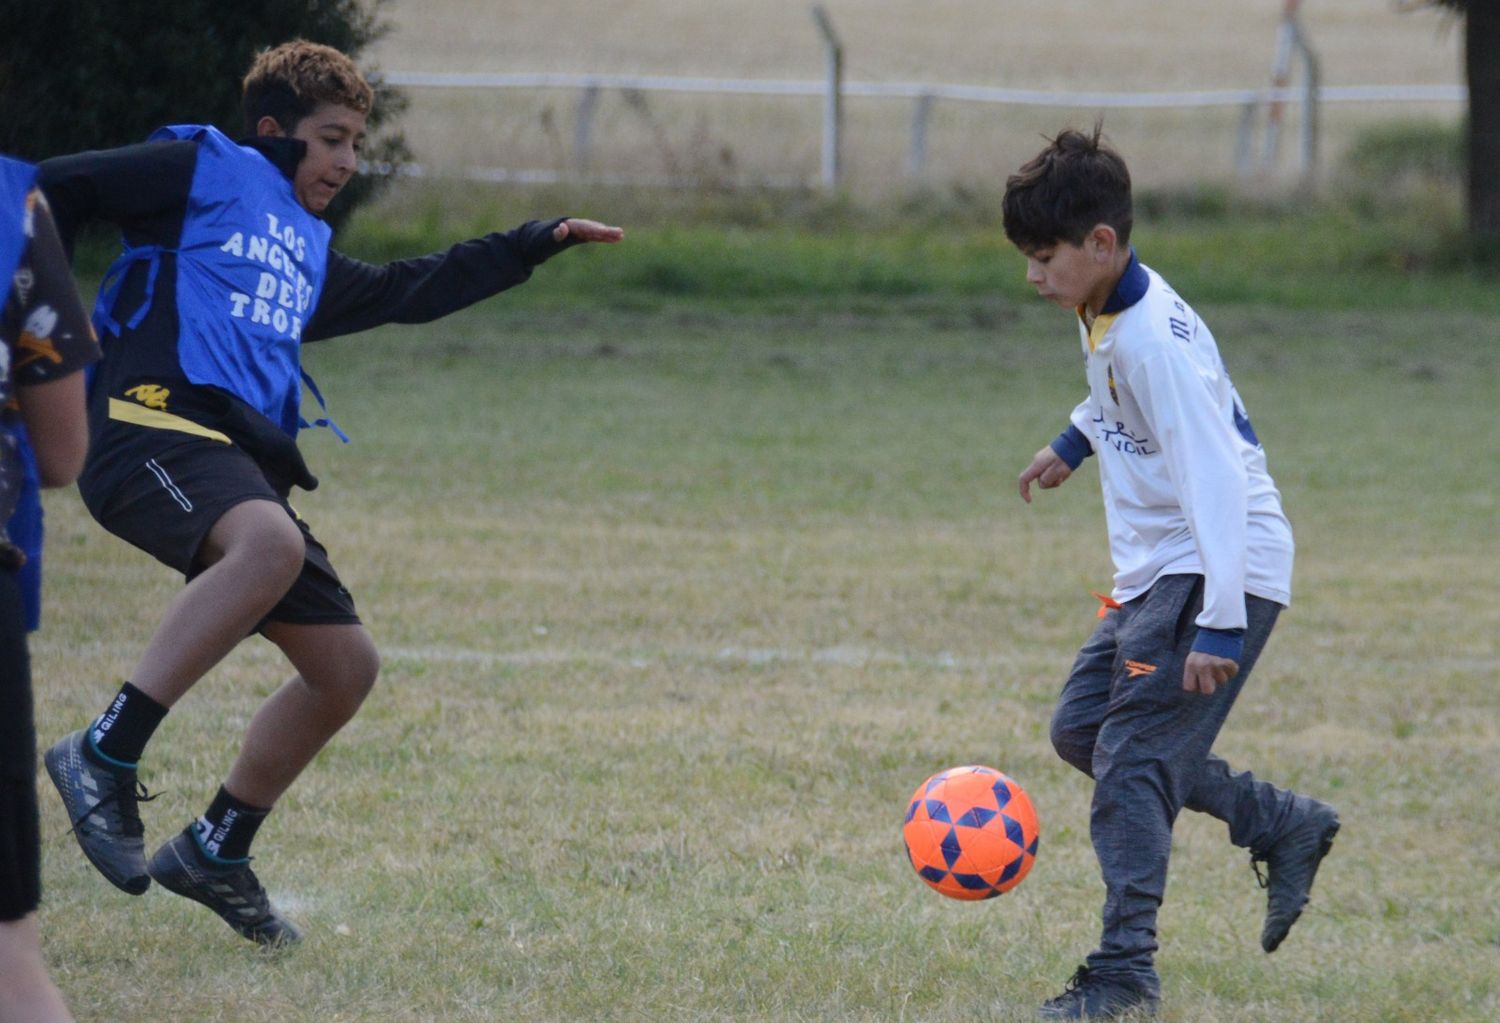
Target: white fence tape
[(916, 90)]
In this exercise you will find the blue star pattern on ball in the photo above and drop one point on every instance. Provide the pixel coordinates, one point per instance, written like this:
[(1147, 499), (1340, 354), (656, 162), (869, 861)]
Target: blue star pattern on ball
[(970, 832)]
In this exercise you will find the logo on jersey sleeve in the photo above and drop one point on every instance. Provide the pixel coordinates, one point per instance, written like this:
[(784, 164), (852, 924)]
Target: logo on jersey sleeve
[(35, 341), (1242, 424), (1181, 330)]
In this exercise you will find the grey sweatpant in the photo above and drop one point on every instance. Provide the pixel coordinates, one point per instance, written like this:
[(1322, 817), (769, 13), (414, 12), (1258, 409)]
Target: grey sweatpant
[(1125, 720)]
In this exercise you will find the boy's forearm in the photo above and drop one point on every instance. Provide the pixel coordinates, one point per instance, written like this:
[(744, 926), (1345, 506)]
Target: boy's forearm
[(357, 296)]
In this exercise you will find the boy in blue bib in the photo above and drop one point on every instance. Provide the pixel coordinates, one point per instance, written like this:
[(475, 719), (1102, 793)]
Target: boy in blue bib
[(194, 414)]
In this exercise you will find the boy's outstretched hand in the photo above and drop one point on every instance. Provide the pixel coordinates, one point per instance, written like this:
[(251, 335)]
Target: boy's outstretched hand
[(1048, 470), (586, 231)]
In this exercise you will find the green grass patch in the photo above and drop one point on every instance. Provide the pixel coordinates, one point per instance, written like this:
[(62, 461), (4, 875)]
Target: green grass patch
[(679, 595), (744, 251)]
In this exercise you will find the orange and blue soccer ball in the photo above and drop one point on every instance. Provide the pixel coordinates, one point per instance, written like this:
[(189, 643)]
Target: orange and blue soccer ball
[(971, 832)]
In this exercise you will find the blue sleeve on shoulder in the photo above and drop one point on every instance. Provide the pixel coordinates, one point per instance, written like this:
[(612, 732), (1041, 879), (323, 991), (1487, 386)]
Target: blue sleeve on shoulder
[(1228, 643), (1072, 446)]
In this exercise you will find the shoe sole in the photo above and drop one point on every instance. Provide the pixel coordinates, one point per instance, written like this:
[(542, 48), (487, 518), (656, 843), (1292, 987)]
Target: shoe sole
[(135, 885), (278, 941), (1324, 846)]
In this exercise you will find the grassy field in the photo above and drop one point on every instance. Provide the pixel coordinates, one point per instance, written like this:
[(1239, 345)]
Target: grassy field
[(1071, 46), (691, 559)]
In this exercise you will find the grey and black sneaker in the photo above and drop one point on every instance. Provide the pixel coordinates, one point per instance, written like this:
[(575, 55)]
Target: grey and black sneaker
[(1090, 995), (229, 889), (1291, 865), (103, 803)]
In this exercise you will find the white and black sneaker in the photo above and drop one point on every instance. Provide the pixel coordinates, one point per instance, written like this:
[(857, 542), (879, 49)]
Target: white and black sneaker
[(103, 803), (229, 889)]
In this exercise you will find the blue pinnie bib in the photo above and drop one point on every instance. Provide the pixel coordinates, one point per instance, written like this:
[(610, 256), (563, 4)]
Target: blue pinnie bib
[(249, 270), (16, 179), (23, 526), (250, 266)]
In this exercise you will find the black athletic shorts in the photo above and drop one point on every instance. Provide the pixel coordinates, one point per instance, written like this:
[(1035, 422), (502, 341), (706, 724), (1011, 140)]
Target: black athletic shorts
[(167, 504), (20, 842)]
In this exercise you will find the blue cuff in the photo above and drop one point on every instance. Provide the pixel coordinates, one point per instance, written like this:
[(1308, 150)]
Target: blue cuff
[(1228, 643), (1072, 446), (104, 758)]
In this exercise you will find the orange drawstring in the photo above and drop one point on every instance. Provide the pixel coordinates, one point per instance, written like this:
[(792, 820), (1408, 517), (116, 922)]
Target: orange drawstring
[(1106, 604)]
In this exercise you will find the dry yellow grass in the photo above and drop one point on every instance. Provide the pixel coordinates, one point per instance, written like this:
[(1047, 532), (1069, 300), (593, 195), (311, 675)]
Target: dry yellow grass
[(1134, 45), (1070, 46)]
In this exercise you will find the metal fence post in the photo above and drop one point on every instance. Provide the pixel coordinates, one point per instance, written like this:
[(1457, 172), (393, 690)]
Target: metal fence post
[(1311, 79), (1291, 38), (1281, 77), (833, 111), (583, 129), (1244, 141), (916, 159)]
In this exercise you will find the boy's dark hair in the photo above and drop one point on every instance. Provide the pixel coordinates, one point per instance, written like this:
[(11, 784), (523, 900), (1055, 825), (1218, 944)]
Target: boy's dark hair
[(1072, 185), (287, 81)]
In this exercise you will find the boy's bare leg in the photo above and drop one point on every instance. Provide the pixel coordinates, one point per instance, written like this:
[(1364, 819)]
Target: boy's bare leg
[(209, 862), (254, 553), (30, 995), (336, 668)]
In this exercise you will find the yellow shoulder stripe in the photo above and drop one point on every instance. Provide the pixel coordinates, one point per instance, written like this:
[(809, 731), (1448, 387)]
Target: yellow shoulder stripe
[(140, 415)]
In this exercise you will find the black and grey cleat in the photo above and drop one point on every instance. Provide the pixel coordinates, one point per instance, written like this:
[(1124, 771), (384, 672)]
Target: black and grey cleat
[(1291, 865), (102, 801), (229, 889), (1094, 996)]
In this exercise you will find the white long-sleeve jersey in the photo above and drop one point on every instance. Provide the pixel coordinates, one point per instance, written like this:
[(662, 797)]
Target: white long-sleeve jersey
[(1185, 483)]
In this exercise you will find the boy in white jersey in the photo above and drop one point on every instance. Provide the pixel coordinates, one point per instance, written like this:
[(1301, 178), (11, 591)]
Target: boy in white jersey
[(1203, 563)]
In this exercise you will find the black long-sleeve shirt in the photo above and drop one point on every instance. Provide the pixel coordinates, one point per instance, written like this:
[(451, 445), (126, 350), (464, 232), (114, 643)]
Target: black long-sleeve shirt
[(144, 190)]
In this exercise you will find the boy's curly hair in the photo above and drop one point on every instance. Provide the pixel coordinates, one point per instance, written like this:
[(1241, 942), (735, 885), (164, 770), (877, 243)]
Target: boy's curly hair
[(1066, 189), (287, 81)]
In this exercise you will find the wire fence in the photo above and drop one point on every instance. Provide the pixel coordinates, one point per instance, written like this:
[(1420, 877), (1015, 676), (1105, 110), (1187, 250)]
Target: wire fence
[(615, 134)]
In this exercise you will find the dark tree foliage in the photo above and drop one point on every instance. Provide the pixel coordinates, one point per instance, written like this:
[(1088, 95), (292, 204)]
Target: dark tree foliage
[(1481, 27), (79, 74)]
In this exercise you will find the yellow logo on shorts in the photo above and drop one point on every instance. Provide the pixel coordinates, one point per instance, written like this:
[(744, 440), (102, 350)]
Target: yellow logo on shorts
[(150, 395), (1135, 669)]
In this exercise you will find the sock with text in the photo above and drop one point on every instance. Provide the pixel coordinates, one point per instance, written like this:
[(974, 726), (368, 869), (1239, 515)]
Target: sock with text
[(119, 735), (227, 828)]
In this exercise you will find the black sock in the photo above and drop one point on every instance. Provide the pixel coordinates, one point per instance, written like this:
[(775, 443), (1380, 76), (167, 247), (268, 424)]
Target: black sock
[(227, 828), (120, 734)]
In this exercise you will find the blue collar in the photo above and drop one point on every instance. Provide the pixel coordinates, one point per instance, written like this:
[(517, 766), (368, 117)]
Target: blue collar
[(1132, 287)]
